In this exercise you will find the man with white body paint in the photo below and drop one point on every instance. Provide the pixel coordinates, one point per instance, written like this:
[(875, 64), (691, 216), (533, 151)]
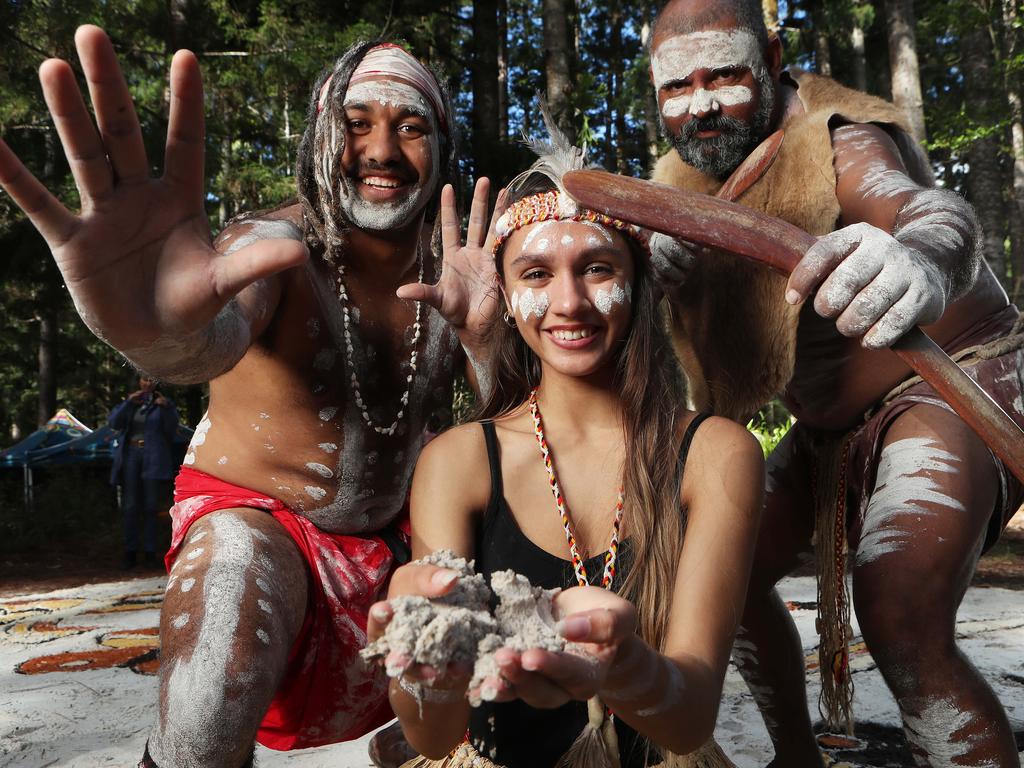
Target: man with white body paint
[(323, 382), (919, 493)]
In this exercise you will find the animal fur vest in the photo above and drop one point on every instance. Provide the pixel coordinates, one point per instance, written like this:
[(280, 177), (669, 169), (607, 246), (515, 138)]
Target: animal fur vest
[(733, 331)]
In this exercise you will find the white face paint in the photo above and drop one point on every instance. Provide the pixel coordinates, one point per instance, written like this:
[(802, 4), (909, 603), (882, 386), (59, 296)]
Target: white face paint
[(678, 57), (607, 301), (702, 100), (535, 231), (381, 216), (531, 304)]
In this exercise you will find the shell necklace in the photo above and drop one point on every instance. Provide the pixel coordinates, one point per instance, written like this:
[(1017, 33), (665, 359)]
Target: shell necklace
[(353, 379), (556, 491)]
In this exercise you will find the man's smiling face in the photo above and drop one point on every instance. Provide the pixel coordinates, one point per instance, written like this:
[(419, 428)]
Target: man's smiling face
[(391, 162)]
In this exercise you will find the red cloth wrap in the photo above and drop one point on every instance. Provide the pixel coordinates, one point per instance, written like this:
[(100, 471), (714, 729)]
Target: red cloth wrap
[(328, 694)]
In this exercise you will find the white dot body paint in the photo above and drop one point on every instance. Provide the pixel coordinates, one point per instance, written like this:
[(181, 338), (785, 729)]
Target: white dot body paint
[(328, 447), (320, 469), (315, 492), (197, 552), (265, 606), (195, 713), (536, 304), (934, 732), (196, 537), (180, 620), (535, 231), (187, 584), (222, 460), (263, 636), (901, 491), (568, 241), (607, 301), (680, 56), (326, 414), (198, 439)]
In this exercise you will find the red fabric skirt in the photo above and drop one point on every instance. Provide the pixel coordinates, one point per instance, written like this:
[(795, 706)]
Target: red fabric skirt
[(328, 694)]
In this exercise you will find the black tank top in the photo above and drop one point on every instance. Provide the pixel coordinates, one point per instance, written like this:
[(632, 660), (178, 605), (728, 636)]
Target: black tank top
[(514, 734)]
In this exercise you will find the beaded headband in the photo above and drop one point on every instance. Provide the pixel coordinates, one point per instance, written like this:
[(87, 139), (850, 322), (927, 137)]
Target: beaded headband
[(557, 206)]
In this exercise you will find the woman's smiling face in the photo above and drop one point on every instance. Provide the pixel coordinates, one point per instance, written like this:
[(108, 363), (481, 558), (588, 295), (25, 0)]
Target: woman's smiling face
[(569, 286)]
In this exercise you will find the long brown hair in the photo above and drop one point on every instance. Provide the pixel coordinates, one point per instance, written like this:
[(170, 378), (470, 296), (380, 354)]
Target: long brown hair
[(648, 382)]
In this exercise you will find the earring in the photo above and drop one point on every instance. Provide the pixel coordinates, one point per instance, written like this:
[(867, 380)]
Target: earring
[(509, 320)]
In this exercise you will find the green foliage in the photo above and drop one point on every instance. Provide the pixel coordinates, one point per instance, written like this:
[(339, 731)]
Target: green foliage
[(769, 435)]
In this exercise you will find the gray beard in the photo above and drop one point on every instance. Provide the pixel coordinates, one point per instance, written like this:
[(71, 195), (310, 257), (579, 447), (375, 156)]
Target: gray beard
[(719, 155)]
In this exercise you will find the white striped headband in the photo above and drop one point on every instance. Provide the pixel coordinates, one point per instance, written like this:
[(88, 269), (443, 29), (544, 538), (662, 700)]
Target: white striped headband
[(395, 63)]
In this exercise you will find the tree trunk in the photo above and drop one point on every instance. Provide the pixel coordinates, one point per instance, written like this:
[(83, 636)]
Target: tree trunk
[(906, 77), (177, 30), (860, 62), (770, 9), (984, 179), (47, 359), (48, 298), (503, 70), (485, 87), (1012, 49), (618, 139), (822, 57), (651, 113), (557, 75)]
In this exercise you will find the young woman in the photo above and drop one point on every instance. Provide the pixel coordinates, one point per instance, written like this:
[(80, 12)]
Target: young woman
[(584, 468)]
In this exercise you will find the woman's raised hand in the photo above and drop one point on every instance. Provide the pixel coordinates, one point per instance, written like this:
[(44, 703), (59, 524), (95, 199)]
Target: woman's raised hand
[(137, 258)]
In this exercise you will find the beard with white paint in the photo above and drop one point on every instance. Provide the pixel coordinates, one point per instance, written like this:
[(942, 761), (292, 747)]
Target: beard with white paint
[(380, 216)]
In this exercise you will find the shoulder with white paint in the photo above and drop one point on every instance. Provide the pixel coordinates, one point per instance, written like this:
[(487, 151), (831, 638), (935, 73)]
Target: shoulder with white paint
[(284, 223)]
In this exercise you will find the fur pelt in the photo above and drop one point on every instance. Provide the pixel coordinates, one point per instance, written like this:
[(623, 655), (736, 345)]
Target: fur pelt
[(732, 329)]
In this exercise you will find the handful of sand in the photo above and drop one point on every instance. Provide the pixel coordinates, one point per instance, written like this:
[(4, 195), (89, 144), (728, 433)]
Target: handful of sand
[(459, 626)]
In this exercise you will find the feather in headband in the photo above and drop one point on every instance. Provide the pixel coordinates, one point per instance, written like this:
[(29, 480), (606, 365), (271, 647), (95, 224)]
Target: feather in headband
[(556, 156)]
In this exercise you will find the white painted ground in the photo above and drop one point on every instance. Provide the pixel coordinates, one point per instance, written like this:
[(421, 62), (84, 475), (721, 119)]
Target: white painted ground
[(80, 717)]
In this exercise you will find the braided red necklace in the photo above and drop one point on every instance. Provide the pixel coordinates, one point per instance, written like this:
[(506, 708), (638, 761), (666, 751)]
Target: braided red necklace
[(556, 491)]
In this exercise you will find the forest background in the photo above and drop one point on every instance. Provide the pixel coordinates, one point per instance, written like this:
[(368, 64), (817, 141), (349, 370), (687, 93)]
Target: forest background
[(955, 66)]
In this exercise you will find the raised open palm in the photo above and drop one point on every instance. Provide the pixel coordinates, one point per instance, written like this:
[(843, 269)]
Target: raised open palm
[(138, 258), (466, 294)]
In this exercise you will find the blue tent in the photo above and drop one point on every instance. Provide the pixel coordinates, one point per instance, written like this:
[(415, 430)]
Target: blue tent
[(98, 446), (62, 428)]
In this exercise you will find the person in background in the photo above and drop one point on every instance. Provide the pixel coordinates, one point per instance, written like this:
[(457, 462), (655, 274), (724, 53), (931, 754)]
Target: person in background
[(144, 465)]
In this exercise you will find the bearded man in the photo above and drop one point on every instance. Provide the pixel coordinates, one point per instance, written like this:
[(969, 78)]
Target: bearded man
[(323, 382), (924, 494)]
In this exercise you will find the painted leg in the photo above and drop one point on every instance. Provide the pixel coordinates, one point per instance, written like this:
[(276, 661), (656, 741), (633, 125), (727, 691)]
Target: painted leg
[(917, 546), (768, 652), (235, 602)]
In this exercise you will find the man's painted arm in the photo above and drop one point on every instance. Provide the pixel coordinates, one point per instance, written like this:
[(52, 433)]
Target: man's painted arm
[(211, 350), (904, 253)]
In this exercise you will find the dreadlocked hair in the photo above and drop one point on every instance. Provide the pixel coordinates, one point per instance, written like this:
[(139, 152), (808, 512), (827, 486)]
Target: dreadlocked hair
[(318, 163), (650, 388)]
